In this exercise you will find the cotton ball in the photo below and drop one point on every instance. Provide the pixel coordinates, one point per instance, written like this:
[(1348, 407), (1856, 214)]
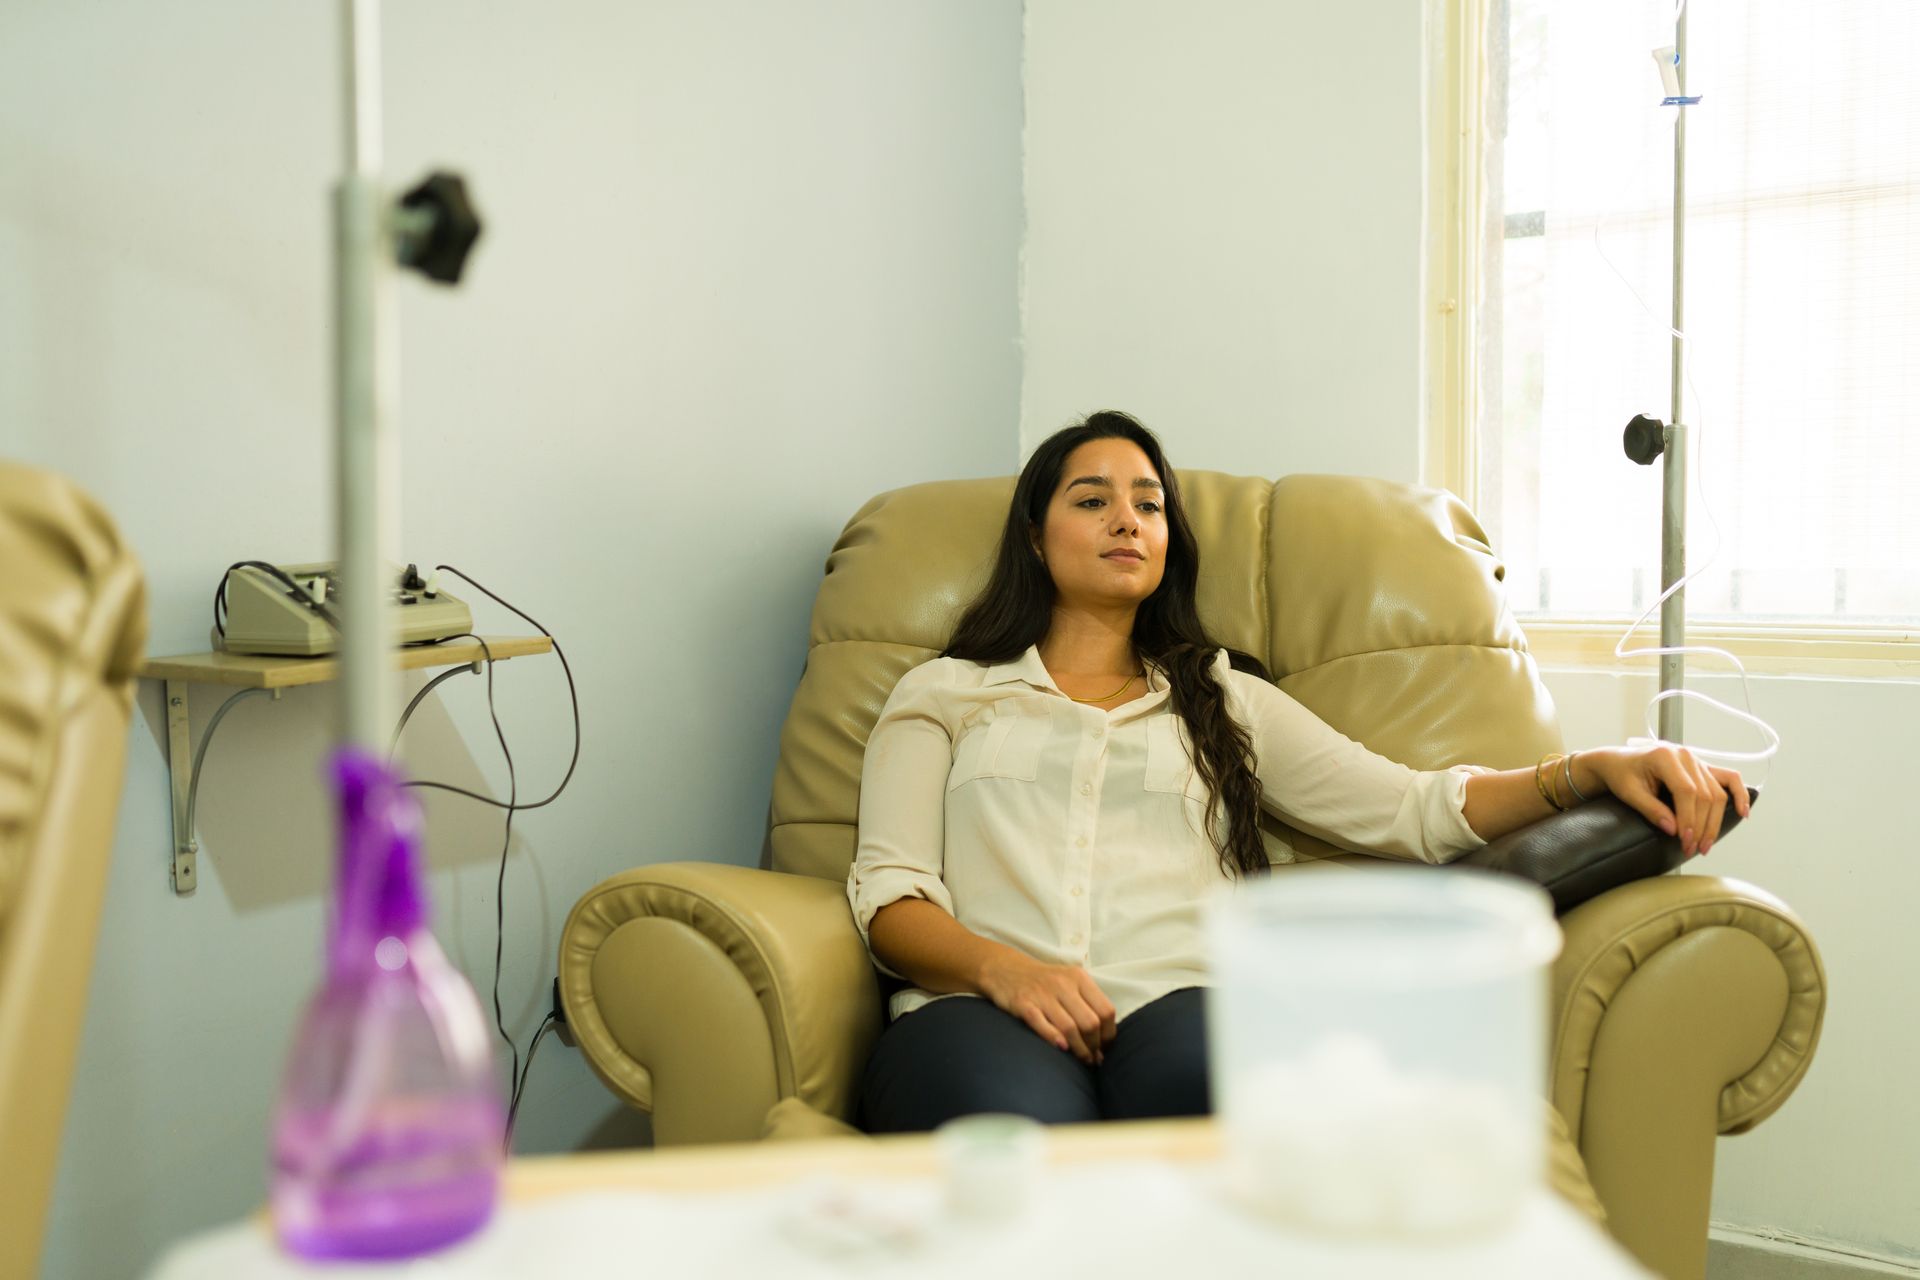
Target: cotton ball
[(1338, 1139)]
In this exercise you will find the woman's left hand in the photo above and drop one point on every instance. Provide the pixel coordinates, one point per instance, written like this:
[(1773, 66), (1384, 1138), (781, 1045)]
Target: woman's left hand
[(1699, 790)]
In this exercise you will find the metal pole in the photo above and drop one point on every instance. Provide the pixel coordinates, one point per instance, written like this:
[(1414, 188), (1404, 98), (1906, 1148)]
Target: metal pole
[(365, 487), (1673, 520), (1673, 567)]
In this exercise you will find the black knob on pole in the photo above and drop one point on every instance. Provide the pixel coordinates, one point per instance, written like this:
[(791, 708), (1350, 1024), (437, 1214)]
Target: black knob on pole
[(440, 252), (1645, 439)]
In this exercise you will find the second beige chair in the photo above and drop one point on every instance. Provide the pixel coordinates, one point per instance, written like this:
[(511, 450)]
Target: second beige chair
[(1683, 1008), (72, 623)]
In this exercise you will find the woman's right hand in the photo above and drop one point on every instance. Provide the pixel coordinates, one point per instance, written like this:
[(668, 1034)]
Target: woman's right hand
[(1061, 1002)]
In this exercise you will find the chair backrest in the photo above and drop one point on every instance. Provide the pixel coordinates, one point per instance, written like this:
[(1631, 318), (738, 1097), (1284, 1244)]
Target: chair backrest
[(72, 626), (1379, 606)]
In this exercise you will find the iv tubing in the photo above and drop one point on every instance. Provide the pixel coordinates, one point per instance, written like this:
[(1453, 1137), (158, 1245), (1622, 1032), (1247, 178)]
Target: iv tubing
[(1674, 575), (1620, 649)]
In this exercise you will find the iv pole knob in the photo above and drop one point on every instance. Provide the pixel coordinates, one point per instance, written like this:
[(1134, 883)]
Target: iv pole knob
[(438, 228), (1645, 439)]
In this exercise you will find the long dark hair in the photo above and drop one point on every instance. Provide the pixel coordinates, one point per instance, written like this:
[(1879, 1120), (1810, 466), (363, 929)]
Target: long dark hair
[(1016, 609)]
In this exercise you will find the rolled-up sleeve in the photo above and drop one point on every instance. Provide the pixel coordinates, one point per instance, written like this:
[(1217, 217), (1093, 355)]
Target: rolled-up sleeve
[(1330, 786), (903, 783)]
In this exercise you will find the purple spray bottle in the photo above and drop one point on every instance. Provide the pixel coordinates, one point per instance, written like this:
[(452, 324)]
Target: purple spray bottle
[(388, 1138)]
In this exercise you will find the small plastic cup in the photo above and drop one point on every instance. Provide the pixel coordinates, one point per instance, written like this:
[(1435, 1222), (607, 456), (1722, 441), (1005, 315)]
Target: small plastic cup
[(990, 1165), (1378, 1047)]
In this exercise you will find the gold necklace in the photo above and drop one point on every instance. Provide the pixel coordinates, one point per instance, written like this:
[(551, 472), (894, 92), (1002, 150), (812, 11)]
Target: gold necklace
[(1110, 697)]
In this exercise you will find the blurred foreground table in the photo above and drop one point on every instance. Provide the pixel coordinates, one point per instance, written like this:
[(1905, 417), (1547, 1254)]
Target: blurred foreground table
[(1148, 1199)]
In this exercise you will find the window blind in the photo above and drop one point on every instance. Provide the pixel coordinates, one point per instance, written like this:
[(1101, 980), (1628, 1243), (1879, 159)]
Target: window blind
[(1802, 305)]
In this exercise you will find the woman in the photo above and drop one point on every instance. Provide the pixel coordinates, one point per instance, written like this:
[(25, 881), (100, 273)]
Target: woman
[(1044, 806)]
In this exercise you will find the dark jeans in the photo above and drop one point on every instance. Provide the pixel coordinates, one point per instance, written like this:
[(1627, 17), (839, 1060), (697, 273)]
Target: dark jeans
[(960, 1056)]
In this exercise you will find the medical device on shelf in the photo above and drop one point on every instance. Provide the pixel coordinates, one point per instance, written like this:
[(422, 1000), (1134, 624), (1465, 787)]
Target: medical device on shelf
[(288, 610)]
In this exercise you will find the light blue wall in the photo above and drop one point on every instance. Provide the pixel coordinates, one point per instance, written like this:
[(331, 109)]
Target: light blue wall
[(746, 264), (1224, 229)]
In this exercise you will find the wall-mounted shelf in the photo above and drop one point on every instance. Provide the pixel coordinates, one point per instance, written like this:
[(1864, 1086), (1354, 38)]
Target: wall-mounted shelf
[(253, 671), (259, 674)]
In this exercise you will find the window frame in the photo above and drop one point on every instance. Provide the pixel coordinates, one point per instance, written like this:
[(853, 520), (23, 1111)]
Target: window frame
[(1458, 87)]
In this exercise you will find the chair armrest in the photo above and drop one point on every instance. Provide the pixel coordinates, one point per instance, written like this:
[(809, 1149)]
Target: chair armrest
[(705, 992), (1582, 852), (1683, 1007)]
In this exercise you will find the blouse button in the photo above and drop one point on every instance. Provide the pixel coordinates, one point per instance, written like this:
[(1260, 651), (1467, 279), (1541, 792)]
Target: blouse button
[(1086, 788), (1080, 842), (1076, 891)]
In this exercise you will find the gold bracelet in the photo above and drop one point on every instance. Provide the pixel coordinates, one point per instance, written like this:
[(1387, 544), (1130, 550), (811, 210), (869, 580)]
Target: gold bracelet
[(1541, 785), (1568, 766)]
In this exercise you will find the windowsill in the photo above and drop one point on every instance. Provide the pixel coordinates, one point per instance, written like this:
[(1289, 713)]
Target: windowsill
[(1764, 649)]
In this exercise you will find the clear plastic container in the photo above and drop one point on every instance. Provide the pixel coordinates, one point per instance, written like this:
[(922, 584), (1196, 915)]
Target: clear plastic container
[(1378, 1046)]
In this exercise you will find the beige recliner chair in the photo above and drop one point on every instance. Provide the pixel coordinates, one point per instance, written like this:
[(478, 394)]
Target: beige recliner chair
[(72, 625), (1683, 1008)]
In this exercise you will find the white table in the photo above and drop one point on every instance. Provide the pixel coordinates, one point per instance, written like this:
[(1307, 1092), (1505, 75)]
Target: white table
[(1143, 1200)]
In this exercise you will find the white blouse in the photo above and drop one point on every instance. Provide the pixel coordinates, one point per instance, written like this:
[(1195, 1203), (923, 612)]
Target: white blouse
[(1075, 835)]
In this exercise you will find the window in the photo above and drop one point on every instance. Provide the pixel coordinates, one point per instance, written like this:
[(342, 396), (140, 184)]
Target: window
[(1802, 307)]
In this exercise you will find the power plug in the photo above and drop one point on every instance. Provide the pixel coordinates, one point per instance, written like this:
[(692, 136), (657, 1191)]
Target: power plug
[(560, 1027)]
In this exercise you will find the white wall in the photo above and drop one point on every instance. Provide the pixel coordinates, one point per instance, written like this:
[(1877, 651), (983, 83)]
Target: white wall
[(746, 264), (1225, 230), (1831, 838)]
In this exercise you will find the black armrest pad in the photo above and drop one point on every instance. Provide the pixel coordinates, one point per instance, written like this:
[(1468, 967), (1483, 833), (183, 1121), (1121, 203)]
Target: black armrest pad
[(1589, 849)]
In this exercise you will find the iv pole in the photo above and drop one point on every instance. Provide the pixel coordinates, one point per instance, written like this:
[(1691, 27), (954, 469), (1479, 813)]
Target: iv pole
[(364, 355), (1648, 438), (383, 1145), (431, 229)]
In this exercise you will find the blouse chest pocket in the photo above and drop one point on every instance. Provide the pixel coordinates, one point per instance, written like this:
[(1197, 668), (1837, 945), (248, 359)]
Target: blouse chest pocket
[(1169, 763), (1006, 745)]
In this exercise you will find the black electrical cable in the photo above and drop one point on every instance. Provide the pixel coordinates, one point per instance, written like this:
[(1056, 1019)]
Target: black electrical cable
[(500, 879), (511, 806), (506, 843), (573, 696), (428, 688), (520, 1086)]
